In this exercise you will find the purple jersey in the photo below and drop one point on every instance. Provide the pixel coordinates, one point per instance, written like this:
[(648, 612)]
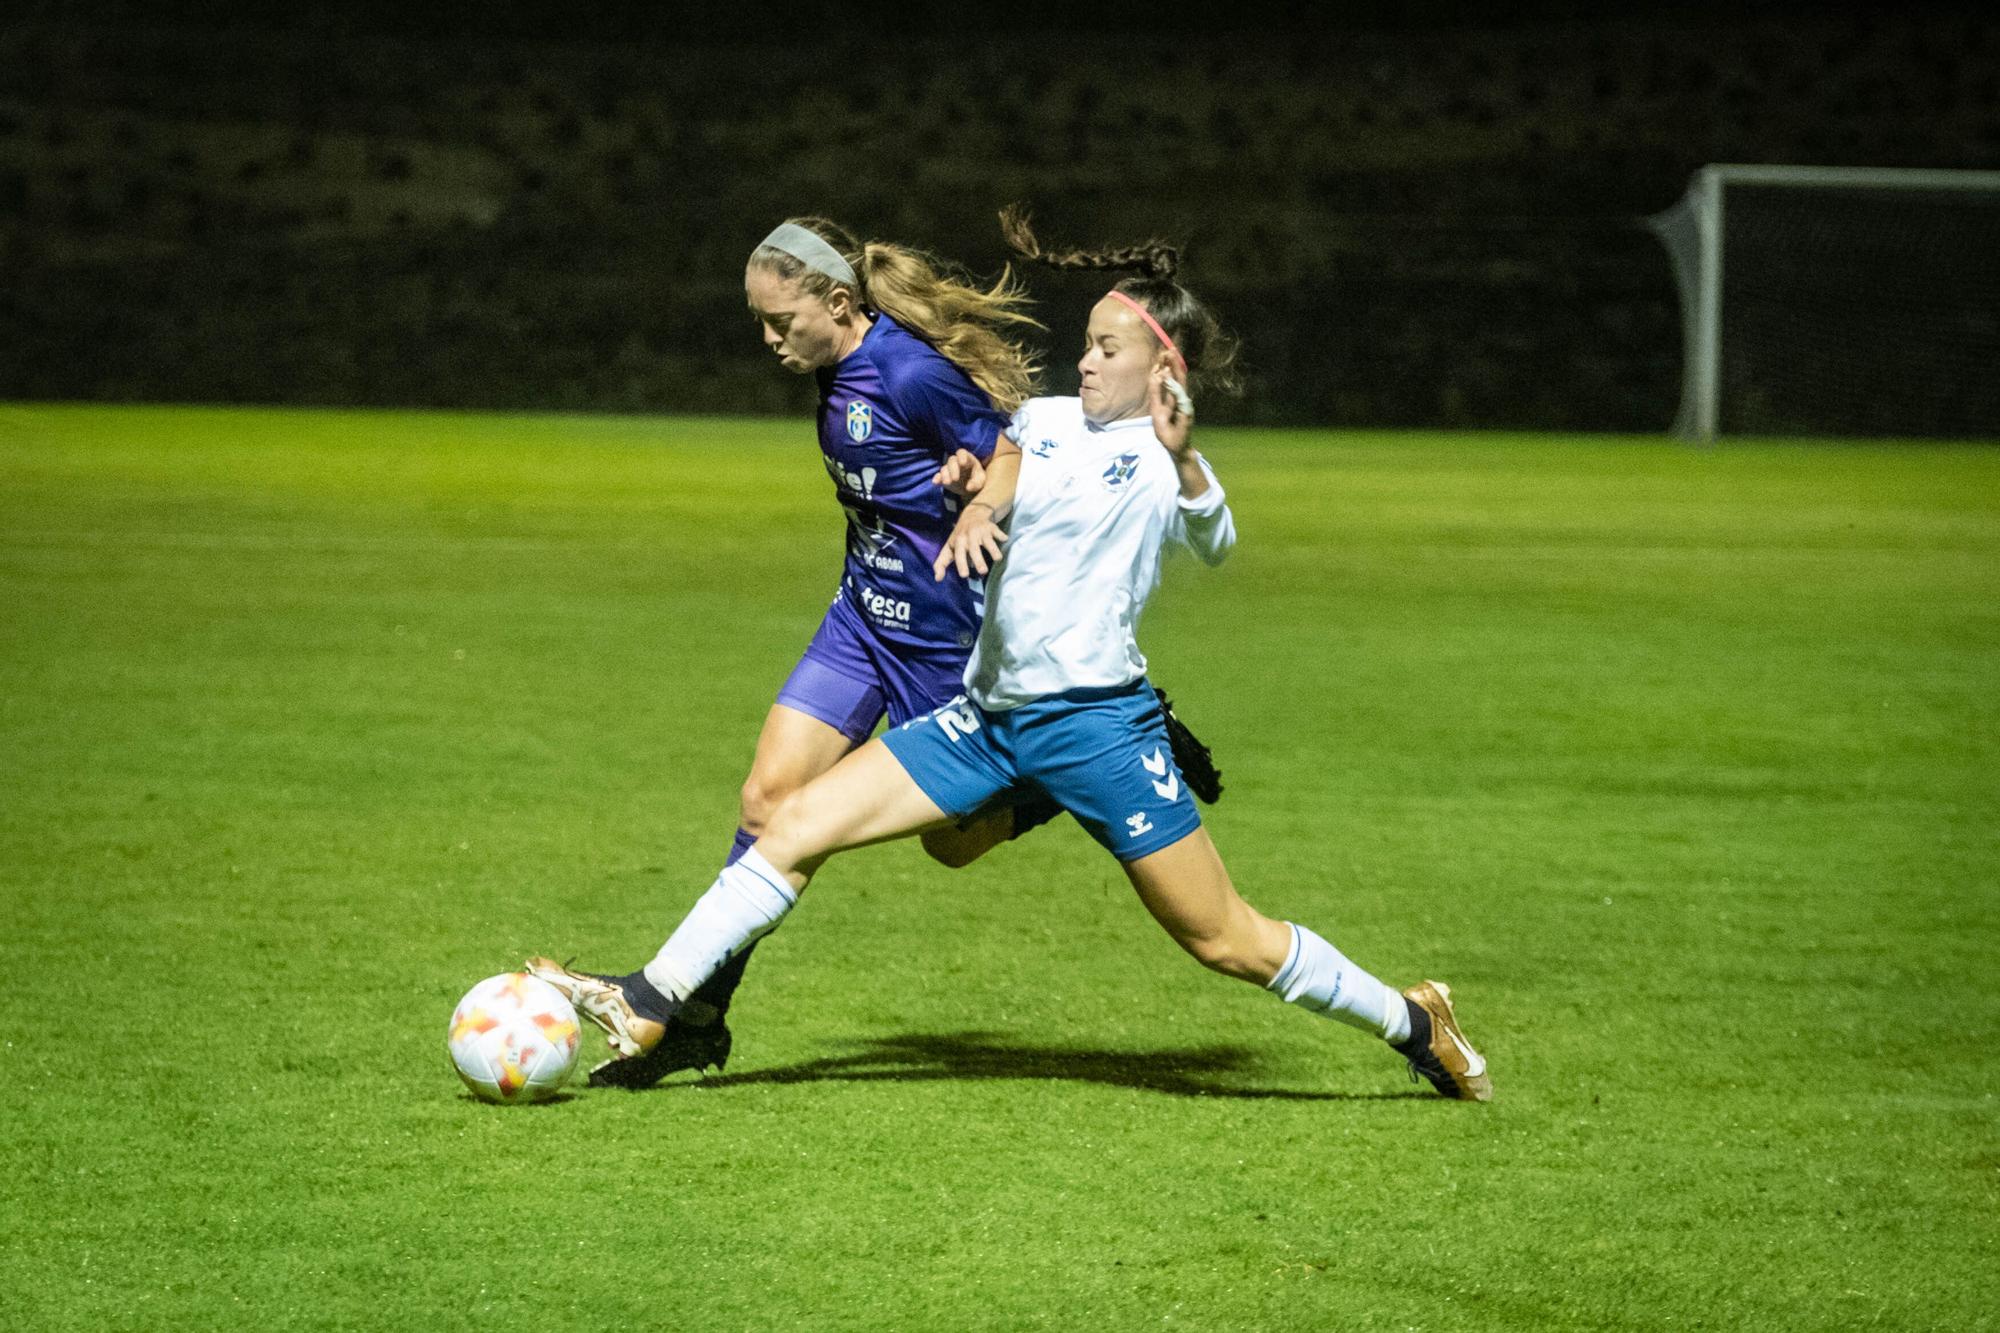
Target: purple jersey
[(888, 416)]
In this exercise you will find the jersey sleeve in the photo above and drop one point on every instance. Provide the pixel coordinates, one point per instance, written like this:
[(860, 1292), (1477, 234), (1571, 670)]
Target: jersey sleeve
[(1205, 523), (940, 402)]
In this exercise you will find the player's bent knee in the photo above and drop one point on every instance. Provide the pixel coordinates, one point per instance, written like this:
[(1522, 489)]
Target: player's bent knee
[(804, 826), (759, 801), (784, 838)]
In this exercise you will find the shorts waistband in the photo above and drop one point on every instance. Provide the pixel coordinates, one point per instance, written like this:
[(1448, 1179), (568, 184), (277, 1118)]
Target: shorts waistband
[(1093, 693)]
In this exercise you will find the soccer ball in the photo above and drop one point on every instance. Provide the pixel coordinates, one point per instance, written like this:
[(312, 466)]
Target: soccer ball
[(513, 1038)]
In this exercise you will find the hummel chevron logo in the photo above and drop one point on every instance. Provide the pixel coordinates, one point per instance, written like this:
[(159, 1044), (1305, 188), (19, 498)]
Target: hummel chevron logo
[(1157, 765)]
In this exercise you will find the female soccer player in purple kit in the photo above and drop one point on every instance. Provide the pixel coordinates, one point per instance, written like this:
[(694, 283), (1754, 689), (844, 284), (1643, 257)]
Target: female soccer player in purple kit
[(914, 367)]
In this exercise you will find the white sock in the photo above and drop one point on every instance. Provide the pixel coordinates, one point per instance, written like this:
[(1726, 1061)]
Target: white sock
[(746, 902), (1322, 979)]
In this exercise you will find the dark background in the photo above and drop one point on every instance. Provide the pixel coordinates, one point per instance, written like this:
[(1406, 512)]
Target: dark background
[(1414, 215)]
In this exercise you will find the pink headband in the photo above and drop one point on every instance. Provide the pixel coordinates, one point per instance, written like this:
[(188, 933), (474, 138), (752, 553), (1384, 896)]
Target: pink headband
[(1154, 325)]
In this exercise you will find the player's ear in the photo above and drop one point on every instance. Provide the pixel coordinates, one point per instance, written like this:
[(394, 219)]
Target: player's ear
[(840, 302)]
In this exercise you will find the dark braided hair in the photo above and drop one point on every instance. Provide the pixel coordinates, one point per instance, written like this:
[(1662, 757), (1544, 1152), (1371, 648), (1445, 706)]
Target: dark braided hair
[(1210, 353)]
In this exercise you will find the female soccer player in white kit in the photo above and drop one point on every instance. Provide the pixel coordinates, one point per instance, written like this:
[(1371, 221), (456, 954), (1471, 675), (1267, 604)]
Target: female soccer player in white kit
[(1057, 702)]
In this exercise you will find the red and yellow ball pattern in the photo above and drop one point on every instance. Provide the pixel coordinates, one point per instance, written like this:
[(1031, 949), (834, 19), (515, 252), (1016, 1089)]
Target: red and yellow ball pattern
[(513, 1038)]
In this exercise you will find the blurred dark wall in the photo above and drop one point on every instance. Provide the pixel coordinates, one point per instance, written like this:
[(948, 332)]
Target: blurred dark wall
[(1409, 225)]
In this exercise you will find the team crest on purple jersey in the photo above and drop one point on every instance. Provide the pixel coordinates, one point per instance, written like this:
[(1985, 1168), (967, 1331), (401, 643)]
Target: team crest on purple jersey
[(1120, 471), (860, 421), (889, 414)]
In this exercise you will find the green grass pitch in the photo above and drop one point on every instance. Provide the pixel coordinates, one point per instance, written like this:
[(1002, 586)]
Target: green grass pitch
[(1679, 764)]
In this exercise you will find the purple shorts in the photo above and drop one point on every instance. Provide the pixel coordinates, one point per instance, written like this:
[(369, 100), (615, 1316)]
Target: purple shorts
[(849, 678)]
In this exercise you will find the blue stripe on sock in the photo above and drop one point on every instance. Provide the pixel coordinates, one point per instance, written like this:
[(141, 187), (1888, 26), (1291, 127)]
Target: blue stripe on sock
[(1282, 982), (779, 885)]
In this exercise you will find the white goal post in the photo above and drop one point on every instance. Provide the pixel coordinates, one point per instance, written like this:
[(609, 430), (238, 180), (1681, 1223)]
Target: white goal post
[(1838, 301)]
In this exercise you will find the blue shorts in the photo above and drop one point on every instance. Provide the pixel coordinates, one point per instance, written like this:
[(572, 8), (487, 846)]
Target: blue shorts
[(1103, 755), (849, 678)]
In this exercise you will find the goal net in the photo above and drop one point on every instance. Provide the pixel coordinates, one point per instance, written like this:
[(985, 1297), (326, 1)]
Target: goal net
[(1838, 301)]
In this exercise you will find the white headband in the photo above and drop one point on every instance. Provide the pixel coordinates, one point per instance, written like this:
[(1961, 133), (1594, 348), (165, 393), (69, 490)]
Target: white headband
[(810, 249)]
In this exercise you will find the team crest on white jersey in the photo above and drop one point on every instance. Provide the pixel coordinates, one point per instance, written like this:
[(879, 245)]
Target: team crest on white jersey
[(1120, 471), (1043, 448), (860, 421)]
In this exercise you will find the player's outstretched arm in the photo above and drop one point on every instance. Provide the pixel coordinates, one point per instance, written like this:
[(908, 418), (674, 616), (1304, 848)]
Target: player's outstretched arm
[(975, 541)]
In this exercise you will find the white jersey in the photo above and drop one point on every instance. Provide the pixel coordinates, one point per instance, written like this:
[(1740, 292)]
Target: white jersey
[(1094, 507)]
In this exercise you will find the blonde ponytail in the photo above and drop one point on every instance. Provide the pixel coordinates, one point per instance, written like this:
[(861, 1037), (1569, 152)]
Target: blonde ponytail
[(961, 320), (935, 300)]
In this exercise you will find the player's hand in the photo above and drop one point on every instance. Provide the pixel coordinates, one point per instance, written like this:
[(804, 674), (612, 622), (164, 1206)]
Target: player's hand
[(1173, 412), (974, 544), (962, 474)]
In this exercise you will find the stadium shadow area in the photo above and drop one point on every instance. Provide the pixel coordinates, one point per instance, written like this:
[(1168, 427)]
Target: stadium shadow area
[(917, 1057)]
